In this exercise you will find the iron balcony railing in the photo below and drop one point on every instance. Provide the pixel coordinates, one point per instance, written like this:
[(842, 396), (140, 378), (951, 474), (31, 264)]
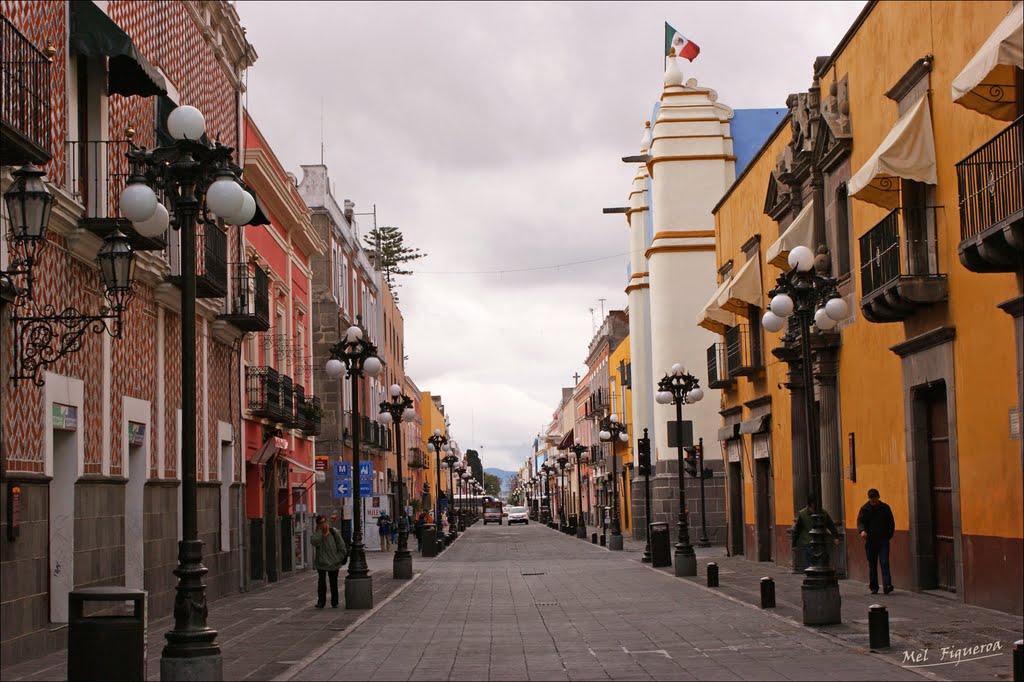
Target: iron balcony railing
[(883, 260), (313, 416), (249, 305), (263, 389), (416, 458), (991, 182), (25, 75), (742, 350), (286, 413), (211, 260), (718, 376), (297, 419)]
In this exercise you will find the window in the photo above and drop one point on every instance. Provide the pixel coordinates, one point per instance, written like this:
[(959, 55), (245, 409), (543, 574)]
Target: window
[(918, 227), (280, 334), (299, 352), (842, 231)]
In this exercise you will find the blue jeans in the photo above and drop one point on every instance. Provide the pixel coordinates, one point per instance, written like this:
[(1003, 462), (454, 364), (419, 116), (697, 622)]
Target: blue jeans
[(878, 552)]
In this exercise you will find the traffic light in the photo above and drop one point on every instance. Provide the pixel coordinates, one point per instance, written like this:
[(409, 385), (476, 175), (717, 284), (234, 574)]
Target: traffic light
[(643, 446), (690, 462)]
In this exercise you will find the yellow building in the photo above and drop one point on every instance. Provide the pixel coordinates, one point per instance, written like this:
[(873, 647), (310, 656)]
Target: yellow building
[(434, 471), (622, 405), (915, 391)]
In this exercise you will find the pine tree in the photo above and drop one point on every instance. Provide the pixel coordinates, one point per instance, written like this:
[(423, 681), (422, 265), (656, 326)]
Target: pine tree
[(389, 243)]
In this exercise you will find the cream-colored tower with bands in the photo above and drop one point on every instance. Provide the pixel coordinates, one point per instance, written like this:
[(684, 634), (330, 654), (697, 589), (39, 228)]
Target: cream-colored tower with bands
[(638, 291), (691, 163)]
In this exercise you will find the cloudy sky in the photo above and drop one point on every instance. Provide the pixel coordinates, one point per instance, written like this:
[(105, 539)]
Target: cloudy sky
[(491, 134)]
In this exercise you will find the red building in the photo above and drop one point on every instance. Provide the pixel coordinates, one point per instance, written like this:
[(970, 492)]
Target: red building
[(91, 441)]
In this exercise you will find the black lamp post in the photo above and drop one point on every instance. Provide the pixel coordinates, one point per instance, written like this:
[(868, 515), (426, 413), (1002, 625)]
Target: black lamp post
[(450, 460), (579, 450), (545, 494), (613, 430), (399, 409), (679, 388), (563, 518), (357, 356), (807, 293), (200, 183), (643, 447), (436, 443)]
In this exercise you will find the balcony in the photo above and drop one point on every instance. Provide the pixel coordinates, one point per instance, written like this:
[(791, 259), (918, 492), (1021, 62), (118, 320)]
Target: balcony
[(25, 74), (211, 260), (991, 187), (417, 459), (286, 410), (597, 404), (312, 414), (718, 377), (97, 172), (263, 390), (249, 305), (899, 265), (297, 418), (743, 350)]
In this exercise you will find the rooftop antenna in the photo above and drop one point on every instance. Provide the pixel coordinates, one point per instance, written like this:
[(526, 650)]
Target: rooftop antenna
[(322, 106), (593, 325), (602, 300)]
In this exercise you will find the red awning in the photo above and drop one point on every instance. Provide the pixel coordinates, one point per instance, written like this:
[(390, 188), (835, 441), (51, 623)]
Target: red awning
[(566, 441)]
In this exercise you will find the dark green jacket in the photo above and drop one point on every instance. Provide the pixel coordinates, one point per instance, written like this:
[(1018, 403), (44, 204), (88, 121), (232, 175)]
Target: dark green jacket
[(329, 551), (801, 532)]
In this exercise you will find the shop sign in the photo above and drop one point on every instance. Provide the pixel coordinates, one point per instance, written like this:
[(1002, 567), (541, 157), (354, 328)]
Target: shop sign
[(136, 433), (65, 417), (320, 463)]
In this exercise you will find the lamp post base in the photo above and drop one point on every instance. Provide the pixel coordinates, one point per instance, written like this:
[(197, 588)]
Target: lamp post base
[(359, 593), (686, 565), (615, 543), (822, 603), (703, 542), (581, 530), (194, 668), (402, 567)]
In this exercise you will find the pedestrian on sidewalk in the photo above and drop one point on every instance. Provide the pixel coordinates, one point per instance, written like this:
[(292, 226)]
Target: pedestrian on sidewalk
[(876, 527), (384, 531), (421, 521), (330, 553), (801, 530)]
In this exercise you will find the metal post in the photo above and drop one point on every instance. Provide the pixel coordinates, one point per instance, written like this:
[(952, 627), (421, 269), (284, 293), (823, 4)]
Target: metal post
[(190, 652), (401, 565), (702, 539), (685, 559), (358, 583), (647, 508), (615, 542)]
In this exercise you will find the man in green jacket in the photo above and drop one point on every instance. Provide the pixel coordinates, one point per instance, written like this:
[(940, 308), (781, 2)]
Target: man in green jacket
[(801, 531), (329, 554)]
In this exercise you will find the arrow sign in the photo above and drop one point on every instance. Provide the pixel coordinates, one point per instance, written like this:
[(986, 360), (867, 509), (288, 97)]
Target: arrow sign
[(342, 488)]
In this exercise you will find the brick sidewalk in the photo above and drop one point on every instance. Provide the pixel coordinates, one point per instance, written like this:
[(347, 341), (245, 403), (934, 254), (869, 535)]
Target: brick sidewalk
[(262, 632), (917, 621)]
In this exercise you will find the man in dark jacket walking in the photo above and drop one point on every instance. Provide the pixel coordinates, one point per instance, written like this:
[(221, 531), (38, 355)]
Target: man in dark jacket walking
[(329, 554), (876, 527)]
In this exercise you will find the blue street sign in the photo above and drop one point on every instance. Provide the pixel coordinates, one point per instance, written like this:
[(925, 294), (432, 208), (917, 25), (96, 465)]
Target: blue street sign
[(366, 469), (343, 469), (342, 488), (366, 478)]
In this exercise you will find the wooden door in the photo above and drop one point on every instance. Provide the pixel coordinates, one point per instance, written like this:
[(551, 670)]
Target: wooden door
[(941, 489)]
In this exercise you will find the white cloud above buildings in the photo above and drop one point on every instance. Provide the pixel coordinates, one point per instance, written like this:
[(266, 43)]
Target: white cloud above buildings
[(491, 134)]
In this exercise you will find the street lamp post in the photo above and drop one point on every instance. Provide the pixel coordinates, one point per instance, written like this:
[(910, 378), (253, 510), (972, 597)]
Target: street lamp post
[(198, 180), (436, 443), (563, 518), (679, 388), (463, 507), (613, 430), (643, 447), (579, 450), (702, 539), (811, 294), (399, 409), (355, 356), (450, 460)]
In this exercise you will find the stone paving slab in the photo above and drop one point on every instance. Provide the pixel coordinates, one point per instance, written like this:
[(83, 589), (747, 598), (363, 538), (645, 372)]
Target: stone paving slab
[(505, 602), (261, 633)]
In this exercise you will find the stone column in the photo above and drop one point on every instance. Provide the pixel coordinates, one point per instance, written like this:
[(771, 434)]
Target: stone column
[(825, 370), (798, 430)]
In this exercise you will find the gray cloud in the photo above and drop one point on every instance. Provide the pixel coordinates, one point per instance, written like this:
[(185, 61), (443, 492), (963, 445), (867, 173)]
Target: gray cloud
[(491, 134)]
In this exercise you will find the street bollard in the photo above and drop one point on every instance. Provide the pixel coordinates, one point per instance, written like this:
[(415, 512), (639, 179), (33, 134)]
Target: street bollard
[(878, 627), (767, 593), (603, 541), (1018, 661), (712, 574), (593, 538)]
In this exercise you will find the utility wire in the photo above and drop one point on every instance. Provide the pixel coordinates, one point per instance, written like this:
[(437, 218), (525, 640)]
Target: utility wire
[(503, 271)]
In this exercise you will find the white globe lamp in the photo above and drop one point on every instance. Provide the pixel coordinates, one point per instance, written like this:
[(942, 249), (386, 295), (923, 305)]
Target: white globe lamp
[(781, 305), (156, 225), (822, 321), (372, 366), (836, 308), (224, 197), (186, 123), (138, 202), (801, 258), (334, 368), (772, 322)]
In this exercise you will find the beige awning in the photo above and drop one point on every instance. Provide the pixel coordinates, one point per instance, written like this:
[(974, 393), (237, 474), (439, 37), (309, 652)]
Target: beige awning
[(799, 233), (907, 152), (744, 290), (713, 318), (987, 84)]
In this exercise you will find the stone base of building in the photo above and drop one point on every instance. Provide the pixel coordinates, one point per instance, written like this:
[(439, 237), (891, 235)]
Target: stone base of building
[(665, 501)]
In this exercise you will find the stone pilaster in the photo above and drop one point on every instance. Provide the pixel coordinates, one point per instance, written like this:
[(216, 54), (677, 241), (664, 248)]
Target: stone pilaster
[(825, 370)]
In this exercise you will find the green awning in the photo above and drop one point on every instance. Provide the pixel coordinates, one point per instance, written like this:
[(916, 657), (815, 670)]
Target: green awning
[(94, 34)]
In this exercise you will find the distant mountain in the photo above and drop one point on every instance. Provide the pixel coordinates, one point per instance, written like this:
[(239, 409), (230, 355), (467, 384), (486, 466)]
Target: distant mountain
[(505, 477)]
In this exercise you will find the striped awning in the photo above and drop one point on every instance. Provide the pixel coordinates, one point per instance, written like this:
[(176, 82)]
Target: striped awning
[(988, 83), (799, 233), (744, 289), (712, 317)]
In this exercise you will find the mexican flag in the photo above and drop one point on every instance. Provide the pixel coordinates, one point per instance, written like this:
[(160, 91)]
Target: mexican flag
[(684, 48)]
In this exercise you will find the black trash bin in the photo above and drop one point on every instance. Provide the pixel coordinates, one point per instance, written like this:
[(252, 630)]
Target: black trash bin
[(428, 540), (661, 555), (107, 647)]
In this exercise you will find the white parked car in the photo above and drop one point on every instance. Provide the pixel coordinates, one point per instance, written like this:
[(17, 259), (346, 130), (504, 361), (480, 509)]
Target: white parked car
[(518, 515)]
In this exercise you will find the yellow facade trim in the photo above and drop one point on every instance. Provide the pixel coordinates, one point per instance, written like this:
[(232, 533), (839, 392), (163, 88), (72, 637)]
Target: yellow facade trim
[(692, 157), (637, 210), (638, 275), (634, 287), (683, 234), (678, 249)]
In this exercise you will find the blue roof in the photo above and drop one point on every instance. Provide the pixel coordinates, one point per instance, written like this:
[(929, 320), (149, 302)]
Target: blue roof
[(750, 128)]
